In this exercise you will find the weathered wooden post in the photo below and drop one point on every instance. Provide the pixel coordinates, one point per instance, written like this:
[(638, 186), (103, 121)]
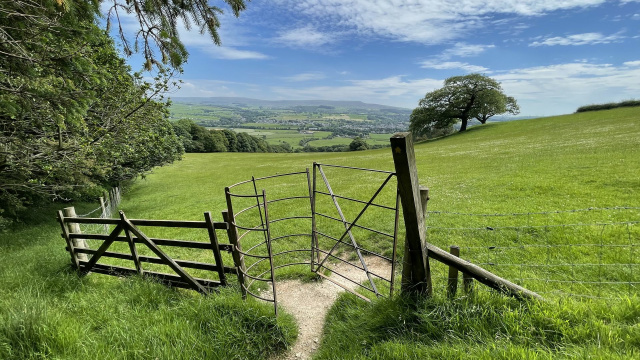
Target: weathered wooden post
[(232, 233), (452, 283), (103, 214), (417, 277), (74, 228)]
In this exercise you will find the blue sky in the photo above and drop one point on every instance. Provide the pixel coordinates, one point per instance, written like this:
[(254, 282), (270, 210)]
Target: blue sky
[(551, 55)]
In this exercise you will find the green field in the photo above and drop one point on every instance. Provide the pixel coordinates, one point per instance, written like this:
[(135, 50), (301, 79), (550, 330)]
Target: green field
[(560, 163), (276, 137)]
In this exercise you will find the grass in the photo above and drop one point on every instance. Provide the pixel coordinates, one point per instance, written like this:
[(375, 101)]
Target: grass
[(560, 163), (479, 327)]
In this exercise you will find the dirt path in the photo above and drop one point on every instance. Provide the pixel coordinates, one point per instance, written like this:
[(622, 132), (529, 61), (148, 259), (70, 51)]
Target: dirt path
[(310, 302)]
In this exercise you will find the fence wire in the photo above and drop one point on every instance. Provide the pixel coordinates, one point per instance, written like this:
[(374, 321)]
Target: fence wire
[(585, 253), (108, 206)]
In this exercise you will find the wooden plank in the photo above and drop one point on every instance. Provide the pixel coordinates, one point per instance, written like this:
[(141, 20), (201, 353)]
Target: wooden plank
[(232, 233), (92, 221), (144, 222), (169, 261), (105, 245), (178, 223), (132, 247), (65, 236), (167, 279), (214, 247), (452, 282), (419, 280), (160, 242), (156, 260), (481, 274)]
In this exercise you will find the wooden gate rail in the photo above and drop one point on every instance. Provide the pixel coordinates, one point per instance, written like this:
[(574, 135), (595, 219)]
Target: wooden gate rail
[(133, 236)]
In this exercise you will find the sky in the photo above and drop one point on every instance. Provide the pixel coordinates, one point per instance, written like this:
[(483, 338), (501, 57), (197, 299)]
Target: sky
[(553, 56)]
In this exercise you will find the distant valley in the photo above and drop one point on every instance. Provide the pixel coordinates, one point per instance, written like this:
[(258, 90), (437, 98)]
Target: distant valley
[(299, 123)]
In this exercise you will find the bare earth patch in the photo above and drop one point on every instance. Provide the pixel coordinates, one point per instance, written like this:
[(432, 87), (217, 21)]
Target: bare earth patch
[(310, 302)]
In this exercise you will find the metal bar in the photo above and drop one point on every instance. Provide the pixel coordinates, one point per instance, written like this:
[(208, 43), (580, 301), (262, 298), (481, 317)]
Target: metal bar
[(290, 251), (356, 200), (268, 233), (280, 175), (357, 168), (246, 209), (348, 227), (258, 297), (236, 184), (215, 248), (287, 198), (242, 196), (355, 266), (358, 226), (289, 218), (287, 236), (314, 236), (395, 242), (246, 228), (361, 249), (343, 286)]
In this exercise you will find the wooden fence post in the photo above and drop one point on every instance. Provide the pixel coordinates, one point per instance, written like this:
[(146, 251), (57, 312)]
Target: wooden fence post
[(452, 283), (74, 228), (103, 213), (238, 260), (419, 277)]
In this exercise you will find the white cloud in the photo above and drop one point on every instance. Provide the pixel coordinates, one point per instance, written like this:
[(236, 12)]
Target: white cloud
[(541, 90), (429, 22), (562, 88), (229, 53), (447, 65), (304, 37), (305, 77), (393, 90), (578, 39), (465, 50)]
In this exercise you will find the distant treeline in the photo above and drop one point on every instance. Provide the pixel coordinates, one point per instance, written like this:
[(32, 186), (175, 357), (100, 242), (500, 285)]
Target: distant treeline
[(198, 139), (596, 107)]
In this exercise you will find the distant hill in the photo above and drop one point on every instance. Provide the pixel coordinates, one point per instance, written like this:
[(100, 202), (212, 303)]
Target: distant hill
[(280, 104)]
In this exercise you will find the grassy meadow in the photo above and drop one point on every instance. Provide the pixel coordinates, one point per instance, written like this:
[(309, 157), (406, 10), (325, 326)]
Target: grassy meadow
[(578, 161)]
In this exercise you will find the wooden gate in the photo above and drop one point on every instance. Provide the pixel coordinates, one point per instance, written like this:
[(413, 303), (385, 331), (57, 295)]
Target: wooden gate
[(128, 231)]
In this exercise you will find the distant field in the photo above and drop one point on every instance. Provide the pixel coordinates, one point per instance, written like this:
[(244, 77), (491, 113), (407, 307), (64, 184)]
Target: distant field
[(276, 137)]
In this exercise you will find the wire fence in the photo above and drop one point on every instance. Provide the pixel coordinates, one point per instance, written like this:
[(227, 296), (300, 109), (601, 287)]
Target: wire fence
[(108, 205), (585, 253)]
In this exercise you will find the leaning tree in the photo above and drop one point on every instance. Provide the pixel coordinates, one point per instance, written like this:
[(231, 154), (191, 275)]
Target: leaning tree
[(462, 98)]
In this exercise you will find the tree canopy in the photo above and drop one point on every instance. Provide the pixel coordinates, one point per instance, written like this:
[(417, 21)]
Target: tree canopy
[(158, 25), (461, 99)]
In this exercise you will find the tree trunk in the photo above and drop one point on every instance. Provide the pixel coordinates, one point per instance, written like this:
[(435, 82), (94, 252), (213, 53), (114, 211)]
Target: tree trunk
[(463, 126)]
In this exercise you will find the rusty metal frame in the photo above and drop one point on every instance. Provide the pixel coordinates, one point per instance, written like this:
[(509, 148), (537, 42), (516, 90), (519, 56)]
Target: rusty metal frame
[(353, 224), (318, 256)]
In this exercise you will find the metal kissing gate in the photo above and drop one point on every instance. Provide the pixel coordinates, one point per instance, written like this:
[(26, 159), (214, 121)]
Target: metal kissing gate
[(267, 234)]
